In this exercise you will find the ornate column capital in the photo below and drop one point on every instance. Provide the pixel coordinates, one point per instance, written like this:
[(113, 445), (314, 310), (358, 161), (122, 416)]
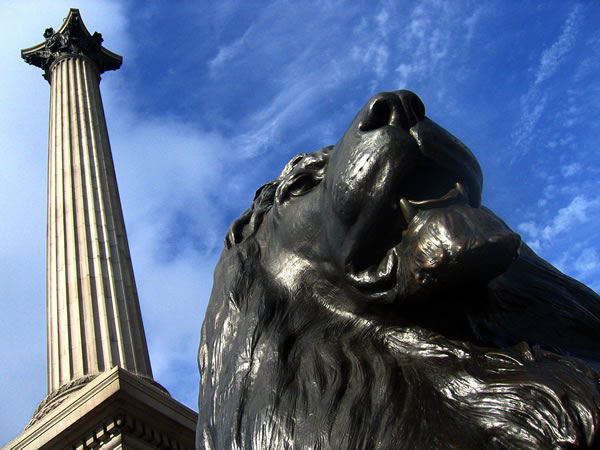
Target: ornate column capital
[(72, 38)]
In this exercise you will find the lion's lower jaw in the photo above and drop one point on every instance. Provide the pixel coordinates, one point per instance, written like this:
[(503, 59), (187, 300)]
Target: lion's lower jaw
[(442, 248), (455, 246)]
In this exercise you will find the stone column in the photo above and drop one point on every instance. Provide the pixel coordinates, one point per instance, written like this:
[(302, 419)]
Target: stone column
[(94, 319)]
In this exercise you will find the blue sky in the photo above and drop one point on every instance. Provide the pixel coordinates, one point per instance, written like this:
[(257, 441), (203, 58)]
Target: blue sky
[(212, 100)]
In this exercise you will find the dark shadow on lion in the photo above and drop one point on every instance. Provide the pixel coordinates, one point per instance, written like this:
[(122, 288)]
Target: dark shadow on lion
[(368, 300)]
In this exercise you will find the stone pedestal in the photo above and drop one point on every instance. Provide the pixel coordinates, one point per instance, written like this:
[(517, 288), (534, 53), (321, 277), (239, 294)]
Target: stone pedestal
[(116, 410)]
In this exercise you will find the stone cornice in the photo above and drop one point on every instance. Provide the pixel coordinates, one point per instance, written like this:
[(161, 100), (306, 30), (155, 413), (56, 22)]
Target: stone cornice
[(54, 399), (115, 406), (72, 38)]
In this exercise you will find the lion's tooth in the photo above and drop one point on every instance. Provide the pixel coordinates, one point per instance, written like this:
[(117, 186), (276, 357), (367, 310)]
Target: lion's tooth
[(460, 188), (408, 210)]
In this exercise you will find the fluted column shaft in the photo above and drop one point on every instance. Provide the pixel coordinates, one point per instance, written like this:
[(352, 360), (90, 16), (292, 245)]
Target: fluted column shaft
[(94, 319)]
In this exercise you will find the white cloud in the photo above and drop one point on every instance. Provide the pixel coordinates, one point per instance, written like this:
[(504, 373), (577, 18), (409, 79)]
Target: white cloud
[(471, 22), (570, 169), (433, 40), (551, 57), (587, 262), (533, 106), (529, 228), (535, 245), (292, 103), (382, 19), (541, 236), (374, 56), (533, 102), (574, 213), (230, 51)]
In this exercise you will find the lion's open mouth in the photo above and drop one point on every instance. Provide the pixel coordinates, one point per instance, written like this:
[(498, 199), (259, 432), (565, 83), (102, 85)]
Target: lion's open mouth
[(437, 186), (433, 232), (374, 264), (431, 244)]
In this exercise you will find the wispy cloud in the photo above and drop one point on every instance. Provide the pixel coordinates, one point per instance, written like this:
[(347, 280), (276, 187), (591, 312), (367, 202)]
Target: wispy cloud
[(587, 262), (583, 262), (534, 102), (570, 170), (569, 216), (375, 55), (566, 218), (533, 106), (392, 47), (472, 21), (229, 51), (551, 57)]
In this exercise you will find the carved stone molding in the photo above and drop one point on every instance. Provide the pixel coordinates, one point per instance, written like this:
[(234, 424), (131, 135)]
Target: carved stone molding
[(117, 409), (55, 398)]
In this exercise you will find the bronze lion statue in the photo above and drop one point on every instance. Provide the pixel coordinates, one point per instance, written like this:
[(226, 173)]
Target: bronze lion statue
[(368, 300)]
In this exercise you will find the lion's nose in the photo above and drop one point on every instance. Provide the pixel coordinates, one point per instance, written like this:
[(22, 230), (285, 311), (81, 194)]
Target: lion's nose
[(399, 109)]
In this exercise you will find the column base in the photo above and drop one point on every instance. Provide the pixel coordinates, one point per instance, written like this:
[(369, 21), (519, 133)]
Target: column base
[(115, 409)]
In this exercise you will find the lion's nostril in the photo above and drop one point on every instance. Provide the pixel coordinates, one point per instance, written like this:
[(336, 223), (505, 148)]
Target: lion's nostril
[(413, 107), (402, 109), (377, 116), (418, 107)]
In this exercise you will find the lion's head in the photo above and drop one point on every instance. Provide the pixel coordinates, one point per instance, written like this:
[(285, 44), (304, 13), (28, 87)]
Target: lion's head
[(367, 299)]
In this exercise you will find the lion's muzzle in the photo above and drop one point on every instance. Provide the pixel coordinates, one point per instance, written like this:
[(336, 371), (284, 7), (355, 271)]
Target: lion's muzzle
[(392, 164)]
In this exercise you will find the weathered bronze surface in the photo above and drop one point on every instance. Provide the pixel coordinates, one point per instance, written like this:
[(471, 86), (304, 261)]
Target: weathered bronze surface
[(368, 300)]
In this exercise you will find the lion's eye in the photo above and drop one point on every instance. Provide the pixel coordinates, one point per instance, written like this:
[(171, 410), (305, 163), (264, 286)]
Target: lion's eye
[(296, 186), (301, 186)]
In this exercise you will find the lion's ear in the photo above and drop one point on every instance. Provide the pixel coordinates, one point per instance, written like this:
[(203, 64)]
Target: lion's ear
[(296, 185)]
